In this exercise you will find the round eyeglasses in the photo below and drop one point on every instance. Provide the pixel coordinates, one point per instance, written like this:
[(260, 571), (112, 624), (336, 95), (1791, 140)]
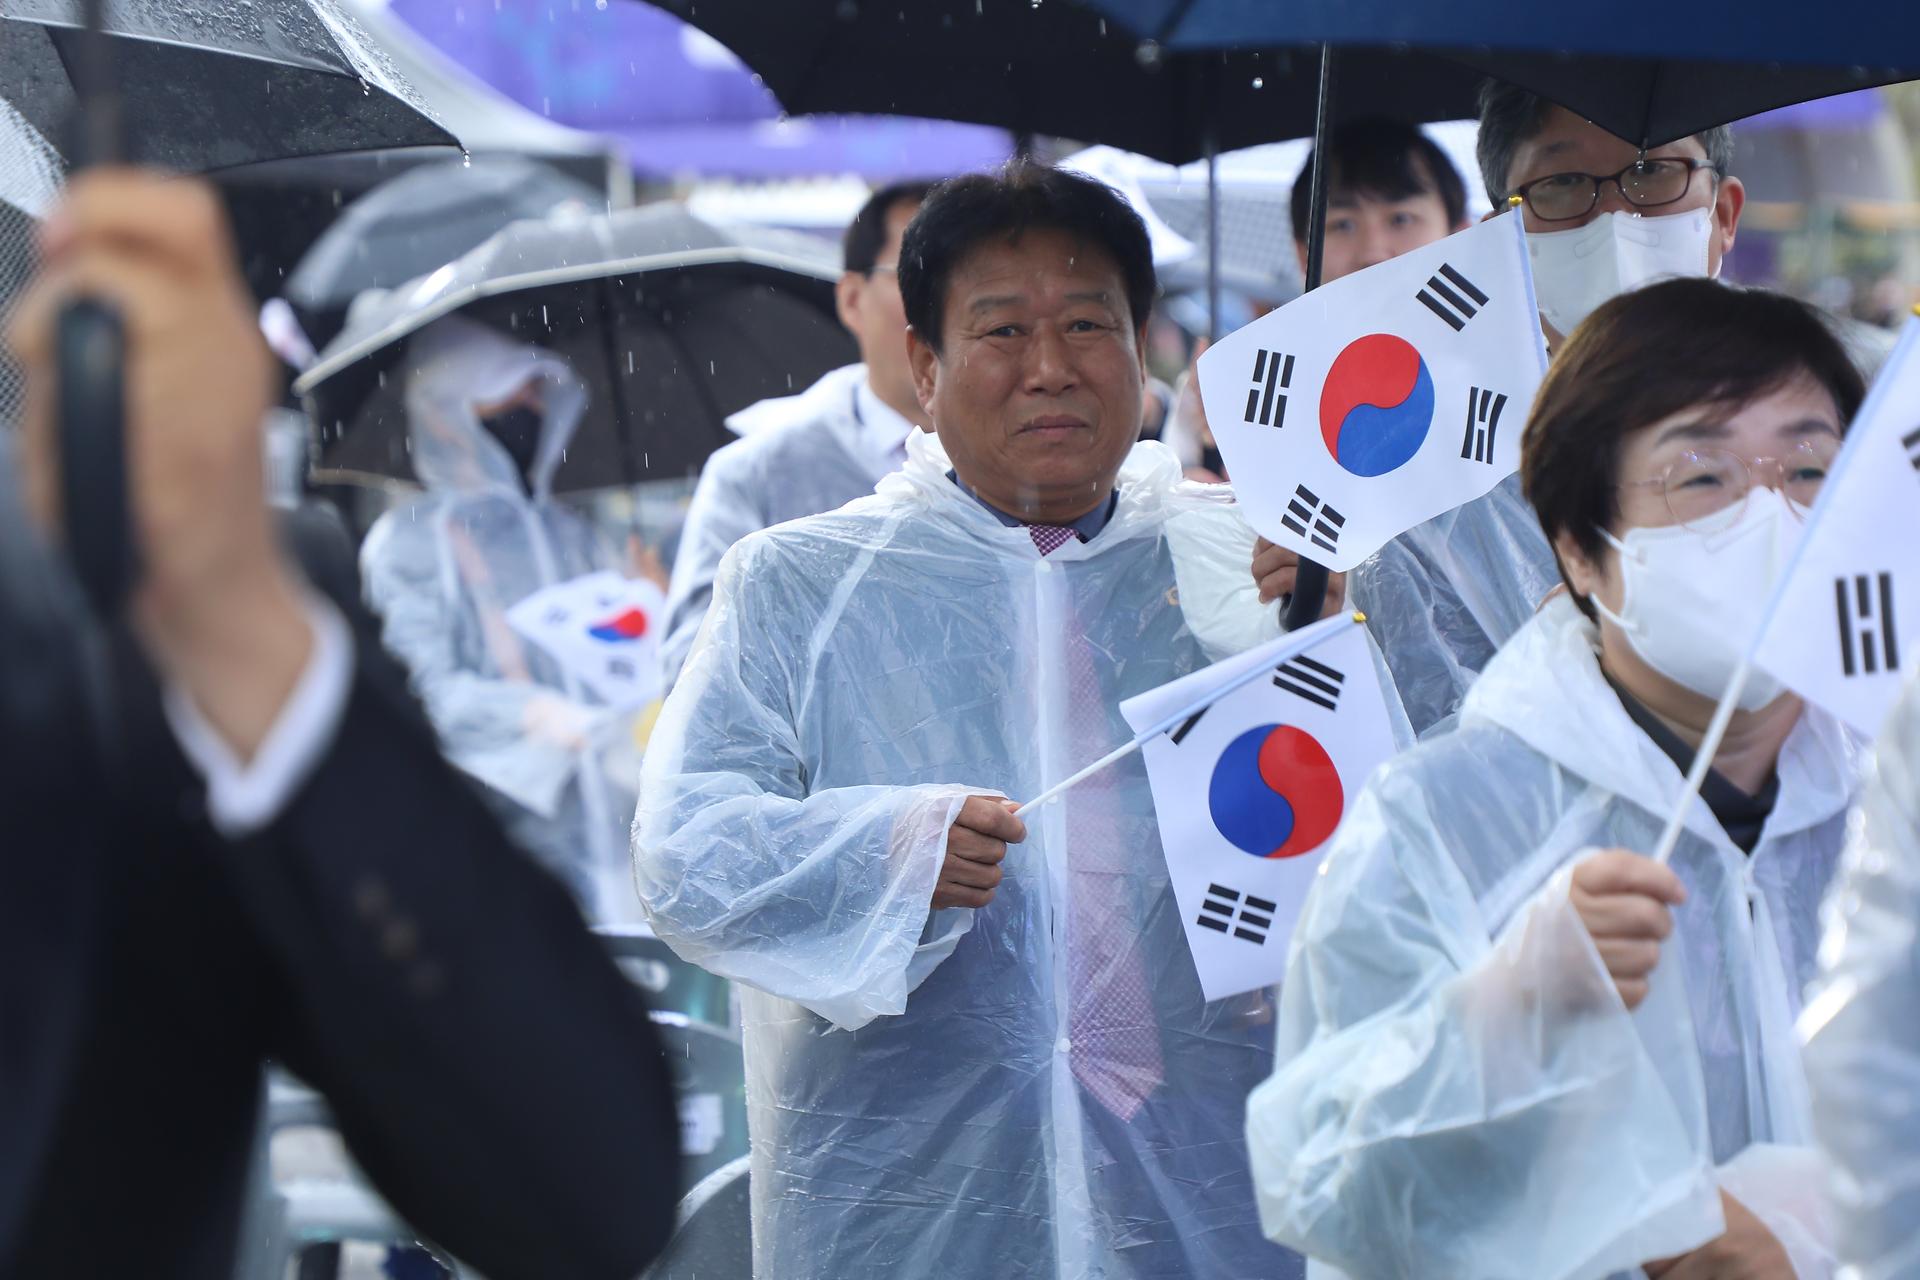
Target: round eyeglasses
[(1647, 183), (1706, 489)]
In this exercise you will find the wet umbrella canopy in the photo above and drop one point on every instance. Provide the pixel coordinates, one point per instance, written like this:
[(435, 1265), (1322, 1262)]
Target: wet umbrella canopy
[(1647, 73), (1054, 68), (218, 82), (671, 322), (423, 219)]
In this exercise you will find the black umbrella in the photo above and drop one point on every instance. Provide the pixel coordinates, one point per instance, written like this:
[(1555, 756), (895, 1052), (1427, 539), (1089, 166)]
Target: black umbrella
[(1053, 68), (423, 219), (673, 323), (186, 87), (209, 85)]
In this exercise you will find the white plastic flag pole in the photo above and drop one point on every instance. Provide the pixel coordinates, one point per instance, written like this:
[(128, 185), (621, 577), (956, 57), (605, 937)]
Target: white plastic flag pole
[(1703, 758), (1305, 639)]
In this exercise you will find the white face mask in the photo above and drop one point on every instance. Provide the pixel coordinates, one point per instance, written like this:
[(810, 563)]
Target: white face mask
[(1691, 601), (1575, 271)]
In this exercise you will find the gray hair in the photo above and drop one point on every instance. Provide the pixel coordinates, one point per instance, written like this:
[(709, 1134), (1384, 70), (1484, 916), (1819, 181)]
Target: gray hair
[(1509, 115)]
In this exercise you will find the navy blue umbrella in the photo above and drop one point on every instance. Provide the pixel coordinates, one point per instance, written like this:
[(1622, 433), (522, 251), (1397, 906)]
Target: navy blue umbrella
[(1648, 73)]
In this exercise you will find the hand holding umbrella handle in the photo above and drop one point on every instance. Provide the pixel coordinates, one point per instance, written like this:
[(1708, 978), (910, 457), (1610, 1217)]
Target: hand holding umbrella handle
[(90, 348)]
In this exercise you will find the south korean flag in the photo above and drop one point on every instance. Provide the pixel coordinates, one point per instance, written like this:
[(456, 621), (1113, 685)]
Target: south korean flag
[(1250, 788), (604, 629), (1382, 399), (1845, 621)]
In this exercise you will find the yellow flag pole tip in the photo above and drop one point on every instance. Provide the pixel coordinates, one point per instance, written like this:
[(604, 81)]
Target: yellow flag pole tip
[(1514, 202), (1359, 616)]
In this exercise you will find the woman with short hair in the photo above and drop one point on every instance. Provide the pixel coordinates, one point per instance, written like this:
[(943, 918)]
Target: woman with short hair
[(1470, 1083)]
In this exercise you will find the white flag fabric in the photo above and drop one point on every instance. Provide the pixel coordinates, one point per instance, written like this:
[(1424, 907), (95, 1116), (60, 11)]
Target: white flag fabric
[(604, 629), (1249, 791), (1382, 399), (1847, 616)]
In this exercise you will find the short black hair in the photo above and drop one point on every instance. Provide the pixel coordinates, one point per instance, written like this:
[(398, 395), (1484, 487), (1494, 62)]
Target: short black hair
[(1651, 353), (1509, 115), (962, 213), (1385, 158), (867, 233)]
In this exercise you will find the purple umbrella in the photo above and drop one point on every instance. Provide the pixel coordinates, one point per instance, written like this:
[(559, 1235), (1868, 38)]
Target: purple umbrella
[(678, 99)]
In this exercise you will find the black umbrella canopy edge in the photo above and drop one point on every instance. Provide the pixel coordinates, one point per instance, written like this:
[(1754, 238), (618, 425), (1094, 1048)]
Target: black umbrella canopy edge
[(334, 362)]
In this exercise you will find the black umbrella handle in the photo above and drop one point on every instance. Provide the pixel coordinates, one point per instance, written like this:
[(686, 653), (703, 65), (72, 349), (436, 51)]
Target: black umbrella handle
[(90, 400), (1310, 584), (90, 350)]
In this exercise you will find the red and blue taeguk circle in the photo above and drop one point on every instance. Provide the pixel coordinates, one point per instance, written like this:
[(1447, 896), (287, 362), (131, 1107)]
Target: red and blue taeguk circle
[(1376, 404), (621, 628), (1275, 792)]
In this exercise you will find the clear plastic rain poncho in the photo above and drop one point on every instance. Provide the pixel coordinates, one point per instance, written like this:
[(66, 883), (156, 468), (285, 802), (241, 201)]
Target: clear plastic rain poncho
[(1862, 1021), (1460, 1091), (1444, 595), (442, 571), (917, 1103), (799, 456)]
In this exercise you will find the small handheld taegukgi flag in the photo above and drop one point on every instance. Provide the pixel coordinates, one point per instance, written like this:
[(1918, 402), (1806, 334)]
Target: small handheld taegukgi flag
[(1382, 399), (603, 629), (1250, 784), (1846, 619)]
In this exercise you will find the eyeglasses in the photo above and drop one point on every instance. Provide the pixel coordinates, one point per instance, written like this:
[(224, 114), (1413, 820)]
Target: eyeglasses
[(1706, 489), (1644, 184)]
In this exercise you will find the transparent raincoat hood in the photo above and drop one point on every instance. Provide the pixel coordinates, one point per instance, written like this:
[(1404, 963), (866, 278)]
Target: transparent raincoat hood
[(1460, 1090), (797, 456), (442, 571), (916, 1102), (1862, 1021)]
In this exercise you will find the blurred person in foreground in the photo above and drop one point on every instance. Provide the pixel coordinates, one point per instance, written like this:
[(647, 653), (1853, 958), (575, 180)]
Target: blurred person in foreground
[(488, 421), (1470, 1083), (813, 452), (976, 1046), (231, 838), (1862, 1021)]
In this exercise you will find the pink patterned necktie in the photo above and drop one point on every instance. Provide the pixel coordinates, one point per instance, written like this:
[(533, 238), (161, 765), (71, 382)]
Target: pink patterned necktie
[(1114, 1037)]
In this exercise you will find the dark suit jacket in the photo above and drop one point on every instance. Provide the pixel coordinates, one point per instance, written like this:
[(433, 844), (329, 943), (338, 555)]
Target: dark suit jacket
[(488, 1066)]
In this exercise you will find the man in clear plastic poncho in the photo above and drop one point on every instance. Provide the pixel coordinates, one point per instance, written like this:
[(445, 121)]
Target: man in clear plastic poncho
[(488, 420), (804, 454), (974, 1047), (1862, 1021), (1510, 1044)]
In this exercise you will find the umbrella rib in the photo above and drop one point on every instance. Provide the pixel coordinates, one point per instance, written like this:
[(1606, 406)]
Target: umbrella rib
[(1173, 20)]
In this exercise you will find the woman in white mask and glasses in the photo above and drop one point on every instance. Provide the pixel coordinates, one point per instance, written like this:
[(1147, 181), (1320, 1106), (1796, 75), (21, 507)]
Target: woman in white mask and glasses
[(1511, 1044)]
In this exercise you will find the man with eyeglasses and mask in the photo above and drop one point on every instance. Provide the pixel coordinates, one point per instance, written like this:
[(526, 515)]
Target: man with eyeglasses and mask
[(488, 422), (810, 453), (1602, 216)]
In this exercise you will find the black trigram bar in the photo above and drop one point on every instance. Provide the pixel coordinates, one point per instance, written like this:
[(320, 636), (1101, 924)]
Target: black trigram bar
[(1452, 297), (1315, 681), (1911, 442), (1312, 519), (1224, 912), (1186, 726), (1864, 605), (1272, 374), (1483, 424)]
